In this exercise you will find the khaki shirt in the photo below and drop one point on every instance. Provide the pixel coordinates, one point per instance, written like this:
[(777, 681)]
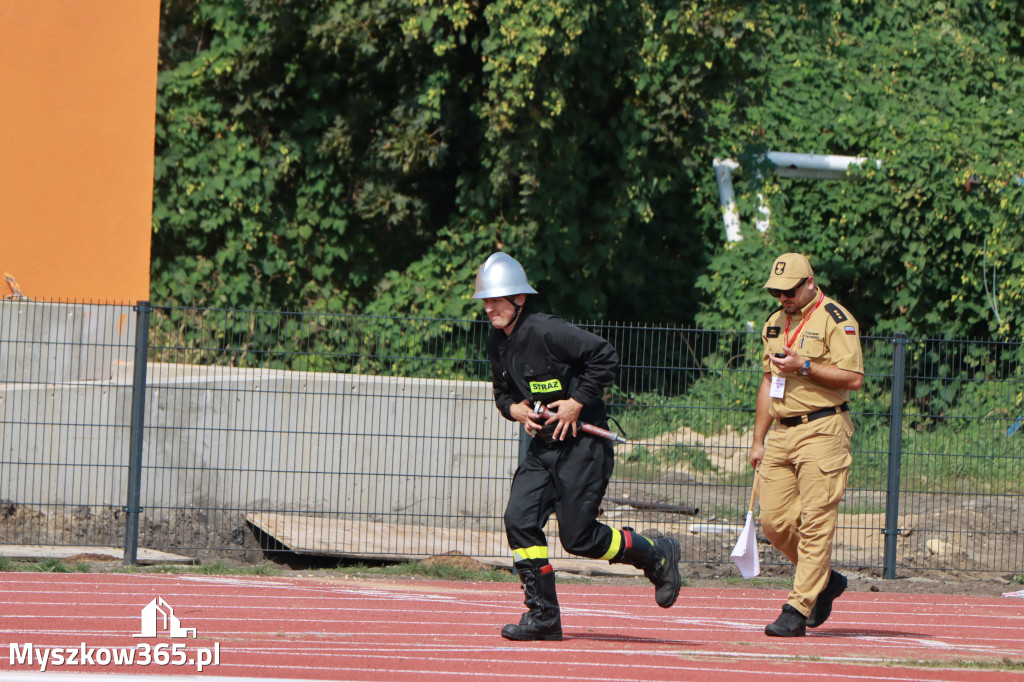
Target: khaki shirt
[(830, 336)]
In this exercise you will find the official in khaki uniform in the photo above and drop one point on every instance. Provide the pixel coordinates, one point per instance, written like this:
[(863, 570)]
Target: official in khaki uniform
[(812, 360)]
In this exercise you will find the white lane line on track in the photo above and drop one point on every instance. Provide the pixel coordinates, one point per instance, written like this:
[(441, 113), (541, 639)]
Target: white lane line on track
[(722, 597), (842, 629), (487, 599), (558, 652), (235, 640), (9, 676), (634, 670), (671, 672), (272, 589), (338, 591), (326, 600)]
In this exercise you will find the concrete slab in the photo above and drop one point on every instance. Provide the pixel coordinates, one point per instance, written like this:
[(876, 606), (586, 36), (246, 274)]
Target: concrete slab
[(354, 539), (72, 553)]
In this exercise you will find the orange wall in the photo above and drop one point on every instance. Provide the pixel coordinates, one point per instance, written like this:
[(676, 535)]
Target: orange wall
[(77, 118)]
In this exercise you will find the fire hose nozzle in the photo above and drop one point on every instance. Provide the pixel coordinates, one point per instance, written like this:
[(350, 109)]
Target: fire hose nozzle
[(541, 410)]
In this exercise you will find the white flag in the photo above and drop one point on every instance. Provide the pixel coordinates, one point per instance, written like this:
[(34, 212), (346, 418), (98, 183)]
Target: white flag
[(744, 554)]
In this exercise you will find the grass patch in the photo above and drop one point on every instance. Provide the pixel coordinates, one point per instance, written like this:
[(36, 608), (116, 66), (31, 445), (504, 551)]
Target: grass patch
[(722, 512), (764, 583), (51, 565), (862, 505), (646, 464), (639, 464), (438, 571), (215, 568), (264, 568)]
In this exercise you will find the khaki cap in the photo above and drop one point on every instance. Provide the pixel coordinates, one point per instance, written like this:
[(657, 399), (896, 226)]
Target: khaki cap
[(787, 271)]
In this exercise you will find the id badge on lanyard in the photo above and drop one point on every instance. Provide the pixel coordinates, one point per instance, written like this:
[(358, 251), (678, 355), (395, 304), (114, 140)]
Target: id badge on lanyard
[(778, 389)]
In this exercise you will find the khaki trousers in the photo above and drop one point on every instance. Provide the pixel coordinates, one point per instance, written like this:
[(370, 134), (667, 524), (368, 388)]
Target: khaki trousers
[(803, 478)]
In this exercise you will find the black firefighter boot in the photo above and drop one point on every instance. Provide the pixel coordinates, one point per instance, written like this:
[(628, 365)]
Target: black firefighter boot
[(659, 561), (543, 621)]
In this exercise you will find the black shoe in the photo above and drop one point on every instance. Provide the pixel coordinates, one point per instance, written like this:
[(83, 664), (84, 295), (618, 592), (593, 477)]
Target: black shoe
[(822, 608), (535, 626), (665, 572), (791, 623)]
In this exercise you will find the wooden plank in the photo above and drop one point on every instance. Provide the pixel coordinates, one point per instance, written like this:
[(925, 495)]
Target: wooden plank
[(357, 539), (145, 557)]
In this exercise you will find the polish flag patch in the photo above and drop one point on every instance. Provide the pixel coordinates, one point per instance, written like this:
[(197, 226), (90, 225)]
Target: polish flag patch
[(849, 330)]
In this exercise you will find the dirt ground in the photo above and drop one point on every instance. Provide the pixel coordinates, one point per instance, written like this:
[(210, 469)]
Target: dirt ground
[(699, 576), (709, 576), (945, 546)]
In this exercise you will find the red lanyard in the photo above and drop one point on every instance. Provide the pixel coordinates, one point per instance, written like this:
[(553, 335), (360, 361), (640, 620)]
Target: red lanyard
[(796, 334)]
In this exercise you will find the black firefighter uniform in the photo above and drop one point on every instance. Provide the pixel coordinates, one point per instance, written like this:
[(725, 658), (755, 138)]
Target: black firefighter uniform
[(547, 359)]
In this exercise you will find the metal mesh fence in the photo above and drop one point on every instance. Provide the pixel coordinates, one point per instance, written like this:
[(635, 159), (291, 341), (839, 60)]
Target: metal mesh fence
[(962, 461), (64, 420), (360, 436)]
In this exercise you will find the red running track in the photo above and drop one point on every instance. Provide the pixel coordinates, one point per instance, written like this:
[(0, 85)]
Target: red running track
[(354, 629)]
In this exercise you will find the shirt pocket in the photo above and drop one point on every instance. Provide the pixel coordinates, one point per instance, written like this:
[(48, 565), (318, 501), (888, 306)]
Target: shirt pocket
[(812, 349)]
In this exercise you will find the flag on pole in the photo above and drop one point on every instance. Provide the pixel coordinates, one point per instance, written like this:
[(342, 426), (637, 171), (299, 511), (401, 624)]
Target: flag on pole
[(744, 554)]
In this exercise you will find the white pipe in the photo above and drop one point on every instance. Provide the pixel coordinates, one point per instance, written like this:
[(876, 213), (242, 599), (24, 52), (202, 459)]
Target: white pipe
[(820, 166), (727, 198), (787, 165)]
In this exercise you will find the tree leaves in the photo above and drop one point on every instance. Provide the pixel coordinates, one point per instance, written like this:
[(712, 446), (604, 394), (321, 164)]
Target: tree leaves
[(934, 96), (353, 155)]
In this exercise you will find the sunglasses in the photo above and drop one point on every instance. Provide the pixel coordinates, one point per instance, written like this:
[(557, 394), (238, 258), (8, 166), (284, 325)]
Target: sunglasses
[(788, 293)]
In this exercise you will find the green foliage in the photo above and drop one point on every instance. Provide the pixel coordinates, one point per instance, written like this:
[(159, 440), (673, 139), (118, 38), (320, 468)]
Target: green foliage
[(642, 463), (341, 155), (321, 342), (349, 155), (291, 170), (960, 401), (931, 243)]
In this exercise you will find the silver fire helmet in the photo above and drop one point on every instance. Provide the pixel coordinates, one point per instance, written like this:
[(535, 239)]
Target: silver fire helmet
[(501, 275)]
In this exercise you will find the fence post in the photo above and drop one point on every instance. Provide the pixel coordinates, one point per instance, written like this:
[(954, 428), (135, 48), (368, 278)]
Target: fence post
[(892, 503), (138, 417)]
